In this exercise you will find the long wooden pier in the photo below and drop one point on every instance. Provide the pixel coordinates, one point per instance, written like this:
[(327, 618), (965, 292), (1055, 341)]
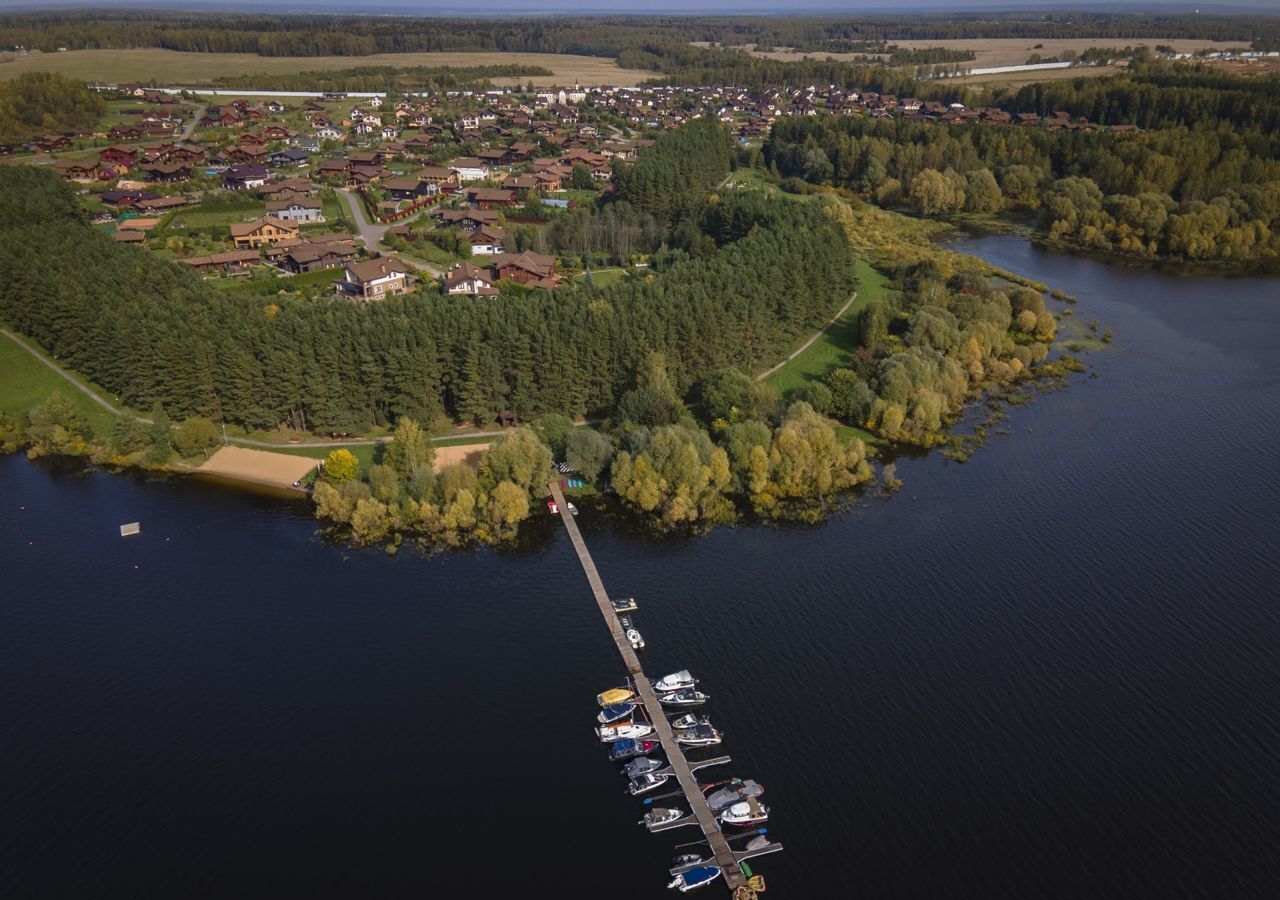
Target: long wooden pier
[(725, 858)]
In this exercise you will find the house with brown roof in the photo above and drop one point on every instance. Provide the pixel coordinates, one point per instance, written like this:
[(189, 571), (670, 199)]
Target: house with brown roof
[(464, 279), (410, 187), (77, 170), (491, 198), (229, 263), (529, 268), (373, 279), (437, 175), (487, 240), (262, 231)]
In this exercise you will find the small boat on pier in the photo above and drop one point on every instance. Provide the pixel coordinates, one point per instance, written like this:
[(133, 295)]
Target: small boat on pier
[(628, 748), (620, 730), (647, 782), (625, 606), (701, 736), (634, 639), (615, 713), (614, 696), (689, 720), (676, 681), (745, 812), (693, 879), (642, 766), (685, 697), (727, 793), (661, 816)]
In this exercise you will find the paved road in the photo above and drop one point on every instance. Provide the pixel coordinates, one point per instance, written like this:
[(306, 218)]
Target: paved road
[(809, 343), (191, 126), (372, 232)]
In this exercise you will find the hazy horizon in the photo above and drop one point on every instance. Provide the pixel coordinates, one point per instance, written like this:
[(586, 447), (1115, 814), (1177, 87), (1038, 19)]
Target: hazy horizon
[(492, 8)]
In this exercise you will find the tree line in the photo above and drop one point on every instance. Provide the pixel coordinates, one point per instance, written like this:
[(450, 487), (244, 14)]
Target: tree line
[(39, 103), (271, 35), (1208, 193), (392, 79)]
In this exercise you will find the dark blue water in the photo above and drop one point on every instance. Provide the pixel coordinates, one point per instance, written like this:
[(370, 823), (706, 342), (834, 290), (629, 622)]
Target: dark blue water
[(1051, 672)]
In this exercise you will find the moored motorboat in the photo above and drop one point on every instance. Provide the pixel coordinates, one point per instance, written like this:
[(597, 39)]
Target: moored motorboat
[(619, 730), (685, 697), (689, 720), (625, 606), (627, 748), (676, 681), (701, 736), (695, 878), (634, 639), (614, 696), (661, 816), (615, 713), (642, 765), (688, 859), (745, 812), (727, 793), (645, 783)]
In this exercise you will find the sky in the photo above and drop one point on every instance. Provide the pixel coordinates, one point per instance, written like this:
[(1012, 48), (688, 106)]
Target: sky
[(559, 7)]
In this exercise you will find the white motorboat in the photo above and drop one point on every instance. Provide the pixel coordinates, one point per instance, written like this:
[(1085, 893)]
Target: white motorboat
[(686, 697), (634, 639), (689, 720), (645, 783), (695, 878), (622, 730), (727, 793), (745, 812), (676, 681), (700, 736), (660, 816)]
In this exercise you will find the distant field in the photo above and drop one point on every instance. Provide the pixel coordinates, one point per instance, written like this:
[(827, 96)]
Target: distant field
[(170, 67), (1007, 51), (1014, 51)]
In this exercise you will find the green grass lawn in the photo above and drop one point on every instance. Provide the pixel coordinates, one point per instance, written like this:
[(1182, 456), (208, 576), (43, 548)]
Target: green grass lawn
[(602, 277), (25, 382), (833, 348), (322, 279), (202, 216)]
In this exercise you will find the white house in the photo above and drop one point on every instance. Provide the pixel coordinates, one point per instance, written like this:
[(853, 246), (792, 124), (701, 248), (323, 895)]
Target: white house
[(302, 210), (487, 241), (469, 168), (328, 133), (466, 280)]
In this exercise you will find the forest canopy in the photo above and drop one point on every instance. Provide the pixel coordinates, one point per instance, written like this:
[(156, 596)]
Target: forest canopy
[(37, 103)]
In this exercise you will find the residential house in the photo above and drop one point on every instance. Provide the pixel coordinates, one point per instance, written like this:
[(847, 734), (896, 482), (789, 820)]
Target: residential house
[(486, 241), (166, 172), (438, 175), (470, 169), (244, 177), (262, 231), (410, 187), (302, 210), (77, 170), (294, 156), (469, 219), (491, 198), (373, 279), (328, 133), (118, 156), (466, 280), (529, 268), (230, 262), (309, 256)]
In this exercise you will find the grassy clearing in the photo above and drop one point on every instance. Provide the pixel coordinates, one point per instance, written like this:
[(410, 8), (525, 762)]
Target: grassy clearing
[(175, 67), (368, 454), (25, 382), (321, 278), (602, 277), (832, 349)]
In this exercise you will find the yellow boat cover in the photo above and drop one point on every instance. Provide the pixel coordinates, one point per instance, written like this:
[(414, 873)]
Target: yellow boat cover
[(615, 695)]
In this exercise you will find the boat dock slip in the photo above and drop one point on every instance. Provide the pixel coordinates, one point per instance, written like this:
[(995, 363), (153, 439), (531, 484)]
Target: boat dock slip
[(724, 855)]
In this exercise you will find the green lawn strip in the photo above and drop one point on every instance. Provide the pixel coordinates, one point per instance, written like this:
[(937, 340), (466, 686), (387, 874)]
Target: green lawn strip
[(602, 277), (291, 283), (847, 433), (841, 339), (25, 382), (368, 454)]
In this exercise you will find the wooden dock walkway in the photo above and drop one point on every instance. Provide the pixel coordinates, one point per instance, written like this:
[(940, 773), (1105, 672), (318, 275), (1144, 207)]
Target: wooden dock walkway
[(724, 855)]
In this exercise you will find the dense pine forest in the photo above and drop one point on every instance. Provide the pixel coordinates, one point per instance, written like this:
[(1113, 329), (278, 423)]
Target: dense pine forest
[(45, 103), (154, 334)]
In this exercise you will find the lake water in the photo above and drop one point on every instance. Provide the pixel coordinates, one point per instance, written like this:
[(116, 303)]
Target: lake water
[(1050, 673)]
